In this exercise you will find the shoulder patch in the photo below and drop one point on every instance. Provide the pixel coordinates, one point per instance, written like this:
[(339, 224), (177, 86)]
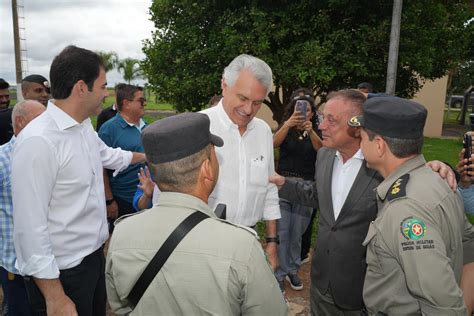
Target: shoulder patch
[(398, 188), (248, 229), (124, 217), (413, 228)]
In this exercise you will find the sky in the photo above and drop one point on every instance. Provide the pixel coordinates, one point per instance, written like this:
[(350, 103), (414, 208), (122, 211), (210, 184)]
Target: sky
[(51, 25)]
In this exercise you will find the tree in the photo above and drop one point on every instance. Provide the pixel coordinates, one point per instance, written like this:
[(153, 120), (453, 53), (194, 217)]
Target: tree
[(130, 69), (323, 45), (110, 59)]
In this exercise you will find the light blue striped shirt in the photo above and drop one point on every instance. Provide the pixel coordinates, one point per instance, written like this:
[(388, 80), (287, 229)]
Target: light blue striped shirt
[(7, 250)]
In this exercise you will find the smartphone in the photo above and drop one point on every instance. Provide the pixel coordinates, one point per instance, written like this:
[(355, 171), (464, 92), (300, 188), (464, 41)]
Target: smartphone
[(301, 106), (467, 144)]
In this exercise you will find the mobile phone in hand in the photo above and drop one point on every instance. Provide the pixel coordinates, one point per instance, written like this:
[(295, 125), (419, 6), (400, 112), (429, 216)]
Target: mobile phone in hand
[(301, 106), (467, 144)]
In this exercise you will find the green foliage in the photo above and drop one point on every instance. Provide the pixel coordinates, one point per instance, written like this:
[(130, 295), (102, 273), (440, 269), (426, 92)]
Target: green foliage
[(130, 69), (464, 78), (323, 45), (110, 59)]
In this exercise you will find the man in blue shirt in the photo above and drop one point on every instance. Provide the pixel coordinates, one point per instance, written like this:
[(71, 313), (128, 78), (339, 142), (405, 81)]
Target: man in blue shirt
[(124, 131), (12, 283)]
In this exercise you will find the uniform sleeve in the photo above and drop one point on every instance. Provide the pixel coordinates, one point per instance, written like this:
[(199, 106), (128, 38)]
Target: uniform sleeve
[(261, 293), (116, 304), (415, 239), (272, 205), (34, 172), (300, 192)]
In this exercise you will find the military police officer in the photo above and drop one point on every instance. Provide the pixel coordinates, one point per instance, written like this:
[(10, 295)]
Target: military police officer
[(217, 268), (415, 246)]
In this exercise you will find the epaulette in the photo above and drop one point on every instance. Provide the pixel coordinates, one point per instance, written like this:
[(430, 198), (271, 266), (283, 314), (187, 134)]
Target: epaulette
[(123, 217), (246, 228), (398, 188)]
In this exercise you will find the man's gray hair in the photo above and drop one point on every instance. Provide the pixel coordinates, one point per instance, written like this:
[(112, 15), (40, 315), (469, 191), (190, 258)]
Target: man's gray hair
[(21, 109), (257, 67)]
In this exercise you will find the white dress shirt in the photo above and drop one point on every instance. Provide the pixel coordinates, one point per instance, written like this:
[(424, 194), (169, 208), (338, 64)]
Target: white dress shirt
[(245, 162), (58, 192), (343, 176)]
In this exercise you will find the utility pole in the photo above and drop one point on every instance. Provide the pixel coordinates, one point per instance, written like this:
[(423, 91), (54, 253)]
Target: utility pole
[(393, 49), (16, 41)]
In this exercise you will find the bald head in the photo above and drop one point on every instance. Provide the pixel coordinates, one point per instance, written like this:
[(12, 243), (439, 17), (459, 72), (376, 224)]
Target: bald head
[(24, 112)]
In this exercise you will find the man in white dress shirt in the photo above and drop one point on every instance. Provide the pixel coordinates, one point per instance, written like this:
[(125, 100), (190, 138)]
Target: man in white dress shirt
[(246, 159), (60, 220)]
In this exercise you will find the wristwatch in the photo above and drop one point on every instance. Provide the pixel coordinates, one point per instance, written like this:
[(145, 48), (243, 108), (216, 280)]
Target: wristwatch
[(273, 239), (108, 202)]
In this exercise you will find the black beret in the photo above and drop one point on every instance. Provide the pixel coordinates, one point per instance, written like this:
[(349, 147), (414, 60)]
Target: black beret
[(177, 137), (37, 79), (392, 117), (3, 84)]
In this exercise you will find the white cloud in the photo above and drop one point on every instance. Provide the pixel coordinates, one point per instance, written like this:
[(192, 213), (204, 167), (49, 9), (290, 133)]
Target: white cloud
[(51, 25)]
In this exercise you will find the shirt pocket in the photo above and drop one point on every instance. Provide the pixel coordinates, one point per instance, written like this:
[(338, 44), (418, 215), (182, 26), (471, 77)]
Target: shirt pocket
[(258, 172), (373, 258)]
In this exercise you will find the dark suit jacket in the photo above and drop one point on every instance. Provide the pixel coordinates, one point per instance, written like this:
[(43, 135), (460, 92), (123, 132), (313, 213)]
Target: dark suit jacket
[(6, 127), (339, 257)]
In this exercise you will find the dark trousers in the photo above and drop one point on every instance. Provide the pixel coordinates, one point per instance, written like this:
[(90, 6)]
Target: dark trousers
[(83, 284), (306, 238), (14, 294)]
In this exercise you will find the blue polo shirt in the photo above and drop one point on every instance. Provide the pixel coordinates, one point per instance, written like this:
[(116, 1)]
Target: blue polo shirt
[(118, 133)]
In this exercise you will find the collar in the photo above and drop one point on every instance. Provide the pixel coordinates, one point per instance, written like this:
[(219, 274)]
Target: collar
[(358, 155), (61, 118), (124, 123), (405, 168), (12, 140), (173, 199), (225, 119)]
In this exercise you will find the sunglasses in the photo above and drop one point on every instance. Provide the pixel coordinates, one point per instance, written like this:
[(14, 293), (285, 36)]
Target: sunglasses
[(141, 100)]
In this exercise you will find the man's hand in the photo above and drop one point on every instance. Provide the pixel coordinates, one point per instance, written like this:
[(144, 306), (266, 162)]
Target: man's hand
[(62, 306), (112, 211), (272, 255), (463, 169), (444, 172), (57, 302), (277, 179), (146, 183)]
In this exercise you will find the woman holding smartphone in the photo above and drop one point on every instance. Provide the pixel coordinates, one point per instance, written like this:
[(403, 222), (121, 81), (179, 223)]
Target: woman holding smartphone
[(298, 143)]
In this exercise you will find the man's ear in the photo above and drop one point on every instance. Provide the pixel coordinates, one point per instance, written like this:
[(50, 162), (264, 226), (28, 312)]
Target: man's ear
[(223, 84), (381, 146), (206, 170), (79, 88), (20, 122)]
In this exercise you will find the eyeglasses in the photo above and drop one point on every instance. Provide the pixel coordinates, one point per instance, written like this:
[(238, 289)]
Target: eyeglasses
[(141, 100)]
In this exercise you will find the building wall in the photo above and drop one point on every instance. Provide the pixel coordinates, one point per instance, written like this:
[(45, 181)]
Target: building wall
[(433, 96)]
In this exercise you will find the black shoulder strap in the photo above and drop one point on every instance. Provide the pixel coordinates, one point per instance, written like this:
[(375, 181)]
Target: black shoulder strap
[(162, 255)]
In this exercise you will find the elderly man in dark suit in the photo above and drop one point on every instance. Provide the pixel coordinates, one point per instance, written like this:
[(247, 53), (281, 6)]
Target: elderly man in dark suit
[(344, 192)]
